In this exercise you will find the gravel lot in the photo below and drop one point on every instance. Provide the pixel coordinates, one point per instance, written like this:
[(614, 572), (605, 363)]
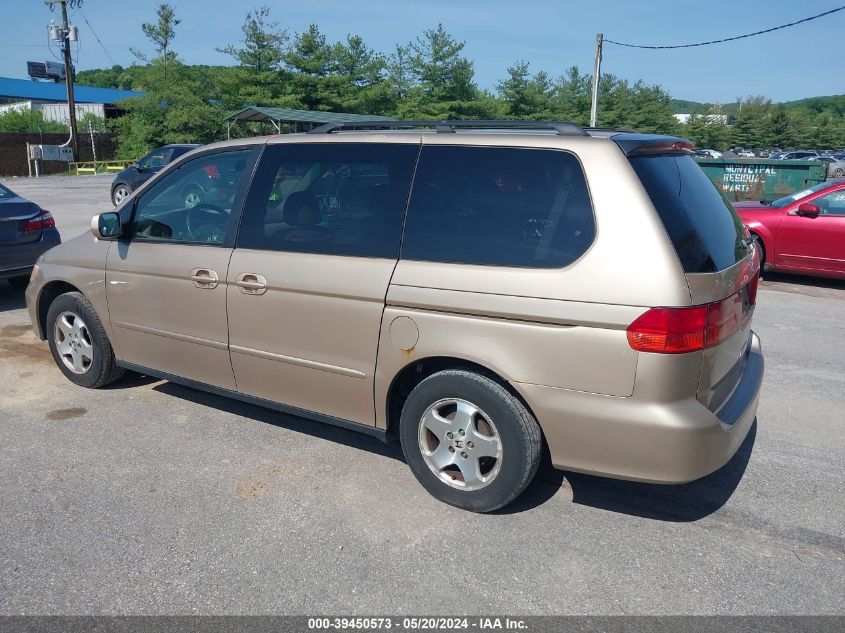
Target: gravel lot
[(153, 498)]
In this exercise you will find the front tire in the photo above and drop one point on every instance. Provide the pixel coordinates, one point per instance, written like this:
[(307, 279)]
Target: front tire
[(120, 193), (838, 172), (469, 441), (79, 343)]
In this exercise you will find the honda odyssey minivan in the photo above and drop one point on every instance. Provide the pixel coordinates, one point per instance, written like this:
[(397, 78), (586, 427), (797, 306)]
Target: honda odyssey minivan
[(481, 291)]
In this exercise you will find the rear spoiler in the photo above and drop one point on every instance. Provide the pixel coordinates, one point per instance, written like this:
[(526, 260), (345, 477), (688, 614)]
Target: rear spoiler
[(652, 144)]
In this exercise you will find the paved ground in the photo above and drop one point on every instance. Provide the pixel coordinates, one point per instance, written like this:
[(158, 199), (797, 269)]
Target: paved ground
[(153, 498)]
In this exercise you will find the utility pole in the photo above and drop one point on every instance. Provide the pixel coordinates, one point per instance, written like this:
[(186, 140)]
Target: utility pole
[(66, 32), (594, 107)]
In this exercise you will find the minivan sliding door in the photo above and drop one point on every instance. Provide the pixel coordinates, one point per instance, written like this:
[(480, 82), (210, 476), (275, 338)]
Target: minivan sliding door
[(318, 243)]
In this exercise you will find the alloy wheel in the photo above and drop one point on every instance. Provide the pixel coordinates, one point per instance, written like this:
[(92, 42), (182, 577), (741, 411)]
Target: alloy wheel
[(73, 342), (460, 444), (120, 194)]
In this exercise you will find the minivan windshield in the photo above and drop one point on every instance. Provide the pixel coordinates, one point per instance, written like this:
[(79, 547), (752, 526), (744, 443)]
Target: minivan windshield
[(703, 226), (794, 197)]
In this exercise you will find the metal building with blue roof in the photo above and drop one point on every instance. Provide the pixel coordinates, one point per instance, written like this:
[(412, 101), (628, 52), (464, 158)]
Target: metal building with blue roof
[(51, 98)]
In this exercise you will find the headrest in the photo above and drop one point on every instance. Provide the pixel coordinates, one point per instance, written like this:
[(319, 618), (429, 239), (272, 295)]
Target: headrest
[(301, 209)]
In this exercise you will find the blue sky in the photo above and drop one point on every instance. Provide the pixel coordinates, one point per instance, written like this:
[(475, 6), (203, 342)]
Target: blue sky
[(553, 35)]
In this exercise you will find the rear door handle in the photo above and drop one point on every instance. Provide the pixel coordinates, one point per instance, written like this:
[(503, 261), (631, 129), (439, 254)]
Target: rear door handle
[(251, 283), (204, 278)]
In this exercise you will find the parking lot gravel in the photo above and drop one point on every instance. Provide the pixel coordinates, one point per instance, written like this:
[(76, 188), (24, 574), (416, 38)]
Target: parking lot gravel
[(152, 498)]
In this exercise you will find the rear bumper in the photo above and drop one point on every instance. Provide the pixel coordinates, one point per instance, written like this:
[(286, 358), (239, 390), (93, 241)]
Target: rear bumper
[(658, 442), (17, 260)]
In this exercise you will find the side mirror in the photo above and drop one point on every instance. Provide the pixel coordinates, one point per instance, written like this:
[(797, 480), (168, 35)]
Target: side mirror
[(106, 226), (808, 210)]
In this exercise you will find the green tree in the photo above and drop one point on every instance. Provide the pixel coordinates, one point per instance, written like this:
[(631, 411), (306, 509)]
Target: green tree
[(161, 34), (26, 120), (357, 78), (441, 80), (526, 96), (307, 63), (263, 43), (399, 73), (571, 96), (260, 54), (779, 129), (441, 73), (751, 128)]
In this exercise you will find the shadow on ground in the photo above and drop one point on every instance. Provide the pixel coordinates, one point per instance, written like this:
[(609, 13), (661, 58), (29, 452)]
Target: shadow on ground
[(802, 281), (283, 420), (676, 503)]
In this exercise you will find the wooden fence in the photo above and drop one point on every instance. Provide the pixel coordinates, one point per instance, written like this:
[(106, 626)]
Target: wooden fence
[(13, 151)]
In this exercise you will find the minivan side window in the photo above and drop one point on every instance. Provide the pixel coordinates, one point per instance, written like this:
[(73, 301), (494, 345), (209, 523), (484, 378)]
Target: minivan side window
[(329, 198), (499, 207), (192, 204), (705, 230)]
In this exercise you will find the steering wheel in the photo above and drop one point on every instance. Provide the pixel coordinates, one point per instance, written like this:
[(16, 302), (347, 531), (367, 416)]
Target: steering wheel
[(206, 223)]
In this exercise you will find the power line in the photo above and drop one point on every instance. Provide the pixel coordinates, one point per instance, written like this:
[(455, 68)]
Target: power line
[(94, 33), (731, 39)]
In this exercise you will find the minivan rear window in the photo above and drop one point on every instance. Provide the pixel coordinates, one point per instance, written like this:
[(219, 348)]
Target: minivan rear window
[(703, 226), (498, 206)]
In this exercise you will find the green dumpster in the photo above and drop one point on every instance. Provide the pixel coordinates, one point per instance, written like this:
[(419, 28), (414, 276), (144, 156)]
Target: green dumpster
[(762, 179)]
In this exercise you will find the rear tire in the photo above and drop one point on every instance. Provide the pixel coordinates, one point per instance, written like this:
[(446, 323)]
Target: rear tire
[(79, 343), (838, 172), (469, 441)]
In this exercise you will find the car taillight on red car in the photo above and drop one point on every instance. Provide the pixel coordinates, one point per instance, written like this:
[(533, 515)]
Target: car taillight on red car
[(682, 330), (44, 220)]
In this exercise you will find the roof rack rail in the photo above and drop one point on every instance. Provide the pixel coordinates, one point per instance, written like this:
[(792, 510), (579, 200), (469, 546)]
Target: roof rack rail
[(561, 127), (611, 129)]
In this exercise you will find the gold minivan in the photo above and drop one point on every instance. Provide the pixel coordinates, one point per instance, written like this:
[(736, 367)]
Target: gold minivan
[(482, 291)]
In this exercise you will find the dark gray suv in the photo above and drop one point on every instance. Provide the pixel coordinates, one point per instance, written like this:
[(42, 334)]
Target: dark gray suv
[(128, 180)]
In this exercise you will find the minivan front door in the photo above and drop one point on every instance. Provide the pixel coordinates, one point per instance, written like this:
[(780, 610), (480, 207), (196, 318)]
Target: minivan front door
[(318, 243), (166, 283)]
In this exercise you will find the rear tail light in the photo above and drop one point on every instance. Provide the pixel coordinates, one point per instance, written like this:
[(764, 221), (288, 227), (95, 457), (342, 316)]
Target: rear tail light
[(669, 330), (44, 220), (682, 330)]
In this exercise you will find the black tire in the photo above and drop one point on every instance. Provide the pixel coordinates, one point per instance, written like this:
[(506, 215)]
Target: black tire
[(102, 369), (838, 172), (518, 432), (19, 283), (119, 193)]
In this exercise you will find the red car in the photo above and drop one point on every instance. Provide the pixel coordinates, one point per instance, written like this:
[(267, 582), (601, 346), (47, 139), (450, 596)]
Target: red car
[(801, 233)]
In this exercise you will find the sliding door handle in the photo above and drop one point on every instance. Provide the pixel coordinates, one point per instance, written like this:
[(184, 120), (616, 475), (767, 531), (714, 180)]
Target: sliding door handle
[(251, 284), (204, 278)]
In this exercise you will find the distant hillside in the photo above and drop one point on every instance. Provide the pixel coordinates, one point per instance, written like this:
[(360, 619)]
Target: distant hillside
[(832, 103)]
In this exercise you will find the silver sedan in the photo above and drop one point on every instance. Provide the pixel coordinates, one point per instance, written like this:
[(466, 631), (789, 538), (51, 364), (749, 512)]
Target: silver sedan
[(835, 166)]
